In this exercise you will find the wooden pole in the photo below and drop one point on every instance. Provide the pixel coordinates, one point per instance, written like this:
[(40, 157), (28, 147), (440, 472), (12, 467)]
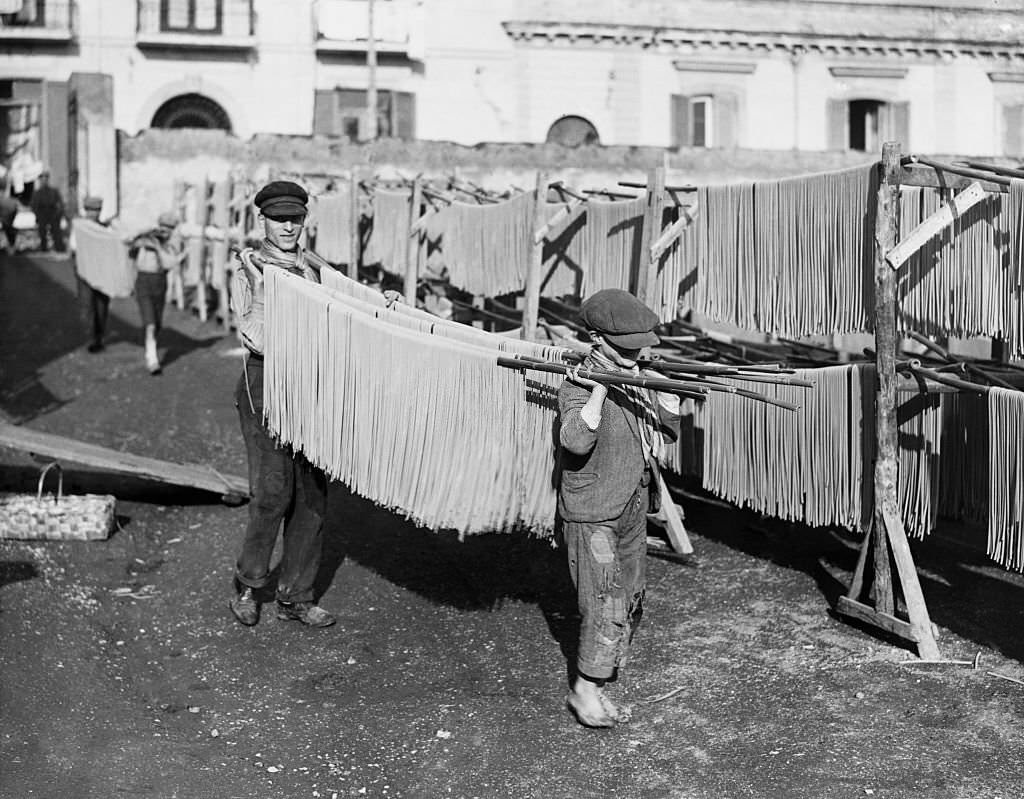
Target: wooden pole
[(886, 457), (371, 74), (531, 291), (412, 245), (646, 278), (352, 267)]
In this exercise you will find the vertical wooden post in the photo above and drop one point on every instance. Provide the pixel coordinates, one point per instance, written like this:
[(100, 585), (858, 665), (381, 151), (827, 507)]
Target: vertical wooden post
[(886, 457), (412, 245), (203, 249), (531, 291), (352, 267), (646, 278), (219, 249), (887, 534)]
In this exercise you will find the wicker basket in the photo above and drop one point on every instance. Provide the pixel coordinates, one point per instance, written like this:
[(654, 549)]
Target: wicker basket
[(76, 517)]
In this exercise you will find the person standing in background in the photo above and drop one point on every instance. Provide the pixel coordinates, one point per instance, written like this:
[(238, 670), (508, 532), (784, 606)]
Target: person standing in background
[(48, 206)]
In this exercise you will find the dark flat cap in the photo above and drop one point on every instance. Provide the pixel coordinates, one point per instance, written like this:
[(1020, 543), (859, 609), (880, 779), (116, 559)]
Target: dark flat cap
[(621, 318), (281, 197)]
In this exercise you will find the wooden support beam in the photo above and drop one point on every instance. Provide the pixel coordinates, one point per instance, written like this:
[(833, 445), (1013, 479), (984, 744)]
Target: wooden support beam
[(917, 611), (876, 618), (201, 248), (646, 278), (886, 459), (412, 245), (351, 269), (668, 517), (565, 215), (927, 178), (931, 226), (687, 213), (531, 291), (203, 477)]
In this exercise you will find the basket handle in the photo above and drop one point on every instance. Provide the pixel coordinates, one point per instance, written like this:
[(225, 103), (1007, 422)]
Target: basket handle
[(60, 482)]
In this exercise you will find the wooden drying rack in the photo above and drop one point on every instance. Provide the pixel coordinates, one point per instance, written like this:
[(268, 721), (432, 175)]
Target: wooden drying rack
[(885, 543)]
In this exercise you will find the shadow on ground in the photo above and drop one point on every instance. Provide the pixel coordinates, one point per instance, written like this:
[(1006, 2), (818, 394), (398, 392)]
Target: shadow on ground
[(42, 323)]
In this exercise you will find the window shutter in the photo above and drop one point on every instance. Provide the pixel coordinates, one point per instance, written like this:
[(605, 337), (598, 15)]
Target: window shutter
[(1013, 130), (323, 113), (899, 124), (726, 111), (838, 122), (352, 99), (680, 120), (406, 112)]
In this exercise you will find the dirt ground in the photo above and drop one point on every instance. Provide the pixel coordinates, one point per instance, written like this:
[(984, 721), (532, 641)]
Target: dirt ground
[(123, 673)]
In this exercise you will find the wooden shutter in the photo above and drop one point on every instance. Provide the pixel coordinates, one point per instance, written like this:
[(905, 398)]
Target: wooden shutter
[(838, 125), (352, 99), (406, 115), (726, 111), (55, 116), (323, 113), (1013, 130), (680, 120)]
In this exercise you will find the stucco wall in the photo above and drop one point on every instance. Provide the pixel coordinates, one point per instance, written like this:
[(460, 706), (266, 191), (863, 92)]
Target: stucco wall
[(150, 162)]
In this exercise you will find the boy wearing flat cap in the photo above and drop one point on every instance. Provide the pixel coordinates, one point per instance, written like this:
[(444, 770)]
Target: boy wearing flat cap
[(283, 484), (155, 253), (609, 435)]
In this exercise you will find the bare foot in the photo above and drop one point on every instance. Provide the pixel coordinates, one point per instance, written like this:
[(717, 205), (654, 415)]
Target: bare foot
[(585, 702), (623, 714)]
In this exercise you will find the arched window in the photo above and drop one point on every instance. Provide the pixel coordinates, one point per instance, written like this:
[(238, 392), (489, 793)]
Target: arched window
[(572, 131), (191, 111)]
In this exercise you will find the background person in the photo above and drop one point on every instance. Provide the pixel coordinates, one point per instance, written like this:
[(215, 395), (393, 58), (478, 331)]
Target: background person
[(155, 253), (48, 206)]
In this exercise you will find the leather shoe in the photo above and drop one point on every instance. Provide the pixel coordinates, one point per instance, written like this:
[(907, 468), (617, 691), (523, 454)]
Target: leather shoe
[(309, 614), (245, 607)]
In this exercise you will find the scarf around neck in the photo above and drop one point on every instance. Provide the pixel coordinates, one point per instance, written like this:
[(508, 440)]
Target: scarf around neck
[(652, 440)]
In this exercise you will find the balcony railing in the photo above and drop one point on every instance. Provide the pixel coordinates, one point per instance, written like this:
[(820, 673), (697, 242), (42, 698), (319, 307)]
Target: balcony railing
[(39, 20), (219, 24), (343, 25)]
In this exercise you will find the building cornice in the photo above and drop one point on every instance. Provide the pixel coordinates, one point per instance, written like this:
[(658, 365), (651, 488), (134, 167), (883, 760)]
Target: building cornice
[(685, 41)]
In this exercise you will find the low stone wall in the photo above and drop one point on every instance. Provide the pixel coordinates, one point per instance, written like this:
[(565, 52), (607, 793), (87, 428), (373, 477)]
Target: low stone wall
[(150, 162)]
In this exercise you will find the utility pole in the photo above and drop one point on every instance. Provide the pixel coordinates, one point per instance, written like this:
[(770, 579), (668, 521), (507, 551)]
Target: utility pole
[(371, 69)]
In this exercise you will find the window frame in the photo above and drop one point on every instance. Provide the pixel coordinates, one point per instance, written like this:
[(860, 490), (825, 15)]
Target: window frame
[(190, 28), (707, 101)]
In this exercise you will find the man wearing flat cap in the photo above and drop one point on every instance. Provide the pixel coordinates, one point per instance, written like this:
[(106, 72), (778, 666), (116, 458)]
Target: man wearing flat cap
[(284, 486), (610, 435)]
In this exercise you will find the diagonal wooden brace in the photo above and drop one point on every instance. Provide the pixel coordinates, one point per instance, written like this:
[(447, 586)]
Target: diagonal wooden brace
[(942, 218), (687, 213)]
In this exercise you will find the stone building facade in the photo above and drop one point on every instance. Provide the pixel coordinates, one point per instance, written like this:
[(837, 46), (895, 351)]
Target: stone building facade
[(811, 75)]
